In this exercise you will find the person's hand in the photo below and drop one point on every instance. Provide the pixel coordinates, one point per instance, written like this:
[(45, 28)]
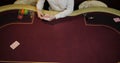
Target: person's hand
[(48, 17), (40, 14)]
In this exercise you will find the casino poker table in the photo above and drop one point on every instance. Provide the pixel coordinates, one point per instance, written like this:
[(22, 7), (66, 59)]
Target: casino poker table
[(90, 35)]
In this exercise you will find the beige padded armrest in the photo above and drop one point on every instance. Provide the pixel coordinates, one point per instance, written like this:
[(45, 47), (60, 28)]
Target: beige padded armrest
[(93, 3)]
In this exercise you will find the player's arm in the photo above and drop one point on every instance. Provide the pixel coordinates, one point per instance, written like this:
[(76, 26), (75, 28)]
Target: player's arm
[(39, 6), (67, 11)]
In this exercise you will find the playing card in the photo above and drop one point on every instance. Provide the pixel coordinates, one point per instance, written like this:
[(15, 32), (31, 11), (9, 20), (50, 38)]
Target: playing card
[(48, 19), (14, 45)]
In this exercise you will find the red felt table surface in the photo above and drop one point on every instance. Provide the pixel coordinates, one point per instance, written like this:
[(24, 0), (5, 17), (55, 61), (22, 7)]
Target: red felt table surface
[(67, 40)]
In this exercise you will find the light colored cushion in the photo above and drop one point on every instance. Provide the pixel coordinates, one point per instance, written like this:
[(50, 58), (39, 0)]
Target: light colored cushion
[(29, 2), (87, 4)]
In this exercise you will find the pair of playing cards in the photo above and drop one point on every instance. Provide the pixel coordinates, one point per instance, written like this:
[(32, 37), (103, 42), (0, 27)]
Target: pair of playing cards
[(117, 19)]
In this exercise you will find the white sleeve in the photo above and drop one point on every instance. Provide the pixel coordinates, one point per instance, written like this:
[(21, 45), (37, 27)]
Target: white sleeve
[(40, 4), (67, 11)]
